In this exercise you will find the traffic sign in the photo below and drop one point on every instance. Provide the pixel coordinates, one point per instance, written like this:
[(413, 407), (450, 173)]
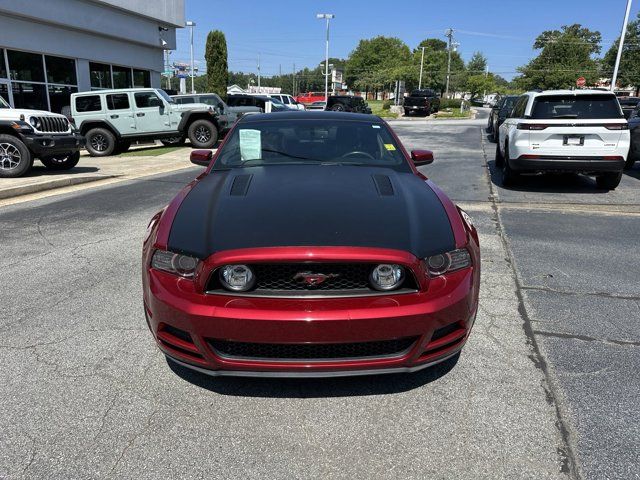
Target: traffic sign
[(581, 82)]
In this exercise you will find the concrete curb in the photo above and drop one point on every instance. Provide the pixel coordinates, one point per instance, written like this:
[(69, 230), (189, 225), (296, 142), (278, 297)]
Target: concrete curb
[(50, 185)]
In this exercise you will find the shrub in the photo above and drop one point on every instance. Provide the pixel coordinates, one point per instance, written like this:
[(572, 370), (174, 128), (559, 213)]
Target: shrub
[(386, 105), (450, 103)]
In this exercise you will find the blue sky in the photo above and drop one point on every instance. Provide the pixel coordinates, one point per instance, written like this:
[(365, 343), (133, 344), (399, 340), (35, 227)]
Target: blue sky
[(286, 31)]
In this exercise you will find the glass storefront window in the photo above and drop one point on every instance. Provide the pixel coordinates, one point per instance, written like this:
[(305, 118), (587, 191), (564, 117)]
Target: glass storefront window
[(100, 75), (142, 78), (60, 97), (25, 66), (29, 95), (122, 77), (61, 70), (3, 67)]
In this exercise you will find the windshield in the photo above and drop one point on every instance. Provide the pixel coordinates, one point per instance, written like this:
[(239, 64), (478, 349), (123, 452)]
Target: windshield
[(576, 106), (277, 105), (166, 97), (313, 141), (508, 103)]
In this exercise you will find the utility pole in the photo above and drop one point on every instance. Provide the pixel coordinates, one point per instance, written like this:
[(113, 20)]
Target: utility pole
[(449, 34), (192, 25), (421, 65), (293, 80), (327, 17), (614, 79), (258, 73)]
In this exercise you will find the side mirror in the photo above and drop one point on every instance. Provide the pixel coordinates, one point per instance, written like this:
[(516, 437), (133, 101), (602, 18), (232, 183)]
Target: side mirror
[(201, 157), (421, 157)]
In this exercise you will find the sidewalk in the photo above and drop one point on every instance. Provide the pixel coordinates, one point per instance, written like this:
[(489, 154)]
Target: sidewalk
[(91, 169)]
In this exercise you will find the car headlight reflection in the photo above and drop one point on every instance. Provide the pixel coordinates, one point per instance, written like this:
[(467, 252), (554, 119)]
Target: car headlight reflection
[(238, 278), (386, 277), (176, 263), (449, 261)]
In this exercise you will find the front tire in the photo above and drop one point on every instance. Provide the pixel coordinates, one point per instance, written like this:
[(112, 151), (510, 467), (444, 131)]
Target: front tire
[(338, 107), (202, 134), (609, 180), (407, 112), (15, 157), (61, 162), (100, 142), (499, 157)]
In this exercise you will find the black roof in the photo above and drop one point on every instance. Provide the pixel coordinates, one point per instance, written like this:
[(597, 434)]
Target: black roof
[(310, 115)]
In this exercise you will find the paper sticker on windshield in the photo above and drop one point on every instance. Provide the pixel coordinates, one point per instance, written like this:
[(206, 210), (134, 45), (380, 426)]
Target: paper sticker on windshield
[(390, 146), (250, 145)]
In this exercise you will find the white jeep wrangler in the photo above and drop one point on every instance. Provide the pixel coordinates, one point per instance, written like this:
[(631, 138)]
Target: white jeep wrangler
[(29, 134)]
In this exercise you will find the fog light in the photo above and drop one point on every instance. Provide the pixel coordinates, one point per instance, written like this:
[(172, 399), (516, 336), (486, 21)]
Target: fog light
[(238, 278), (386, 277)]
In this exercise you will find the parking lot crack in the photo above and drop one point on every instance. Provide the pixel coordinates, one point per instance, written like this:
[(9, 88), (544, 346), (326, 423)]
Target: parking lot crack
[(586, 338), (567, 456), (614, 296)]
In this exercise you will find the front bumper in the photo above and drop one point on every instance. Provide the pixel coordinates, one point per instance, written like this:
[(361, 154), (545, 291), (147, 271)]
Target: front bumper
[(186, 324), (44, 145), (575, 164)]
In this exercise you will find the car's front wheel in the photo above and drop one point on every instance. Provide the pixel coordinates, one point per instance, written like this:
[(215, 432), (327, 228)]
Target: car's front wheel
[(609, 180), (100, 142), (203, 134), (499, 159), (407, 112), (61, 162), (15, 157)]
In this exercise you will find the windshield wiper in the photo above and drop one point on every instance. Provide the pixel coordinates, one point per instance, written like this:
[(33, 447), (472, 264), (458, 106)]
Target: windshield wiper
[(290, 155)]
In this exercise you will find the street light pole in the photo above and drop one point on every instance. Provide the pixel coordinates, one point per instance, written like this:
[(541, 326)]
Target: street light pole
[(614, 79), (259, 73), (191, 25), (421, 65), (327, 17), (449, 35)]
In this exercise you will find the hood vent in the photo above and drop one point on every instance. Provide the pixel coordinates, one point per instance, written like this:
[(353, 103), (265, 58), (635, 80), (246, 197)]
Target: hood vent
[(383, 185), (240, 185)]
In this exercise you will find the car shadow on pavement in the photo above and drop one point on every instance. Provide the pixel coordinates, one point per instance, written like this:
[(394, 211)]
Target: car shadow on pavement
[(41, 171), (547, 183), (315, 387), (634, 172)]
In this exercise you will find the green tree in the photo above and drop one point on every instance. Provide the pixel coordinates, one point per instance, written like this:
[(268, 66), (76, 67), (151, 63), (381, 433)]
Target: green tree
[(217, 68), (377, 62), (477, 64), (629, 71), (434, 73), (477, 84), (565, 55)]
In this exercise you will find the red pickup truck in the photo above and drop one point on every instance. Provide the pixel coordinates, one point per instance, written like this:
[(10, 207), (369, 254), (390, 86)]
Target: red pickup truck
[(310, 97)]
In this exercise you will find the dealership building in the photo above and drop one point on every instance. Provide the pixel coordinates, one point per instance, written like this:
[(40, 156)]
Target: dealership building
[(50, 49)]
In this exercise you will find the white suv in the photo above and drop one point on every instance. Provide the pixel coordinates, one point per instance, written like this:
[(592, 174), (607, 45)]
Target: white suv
[(581, 131)]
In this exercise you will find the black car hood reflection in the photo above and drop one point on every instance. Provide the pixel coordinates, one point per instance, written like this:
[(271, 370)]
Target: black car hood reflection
[(311, 205)]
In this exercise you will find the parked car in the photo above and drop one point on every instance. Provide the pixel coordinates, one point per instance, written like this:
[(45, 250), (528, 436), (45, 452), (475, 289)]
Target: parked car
[(227, 115), (424, 101), (634, 127), (320, 105), (29, 134), (491, 99), (347, 103), (310, 97), (264, 103), (287, 100), (628, 104), (581, 131), (498, 113), (112, 119), (372, 270)]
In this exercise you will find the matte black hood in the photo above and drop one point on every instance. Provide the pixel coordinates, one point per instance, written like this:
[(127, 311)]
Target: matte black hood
[(311, 205)]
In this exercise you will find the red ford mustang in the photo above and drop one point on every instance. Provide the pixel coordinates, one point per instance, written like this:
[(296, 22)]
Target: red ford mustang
[(310, 246)]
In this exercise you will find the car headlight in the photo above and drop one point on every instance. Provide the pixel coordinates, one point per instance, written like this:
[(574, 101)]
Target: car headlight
[(35, 123), (175, 263), (449, 261), (386, 277), (238, 278)]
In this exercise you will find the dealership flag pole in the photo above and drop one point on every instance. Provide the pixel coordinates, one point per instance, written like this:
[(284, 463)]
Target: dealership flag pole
[(192, 24), (614, 79), (327, 17)]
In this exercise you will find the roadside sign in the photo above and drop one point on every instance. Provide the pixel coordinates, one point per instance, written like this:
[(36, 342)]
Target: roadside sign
[(581, 82)]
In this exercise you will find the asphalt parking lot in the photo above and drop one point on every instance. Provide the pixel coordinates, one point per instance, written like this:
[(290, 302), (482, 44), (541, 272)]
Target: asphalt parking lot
[(546, 387)]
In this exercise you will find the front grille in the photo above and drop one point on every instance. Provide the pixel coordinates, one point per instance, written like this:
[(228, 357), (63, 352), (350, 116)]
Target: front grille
[(342, 279), (312, 351), (53, 124)]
